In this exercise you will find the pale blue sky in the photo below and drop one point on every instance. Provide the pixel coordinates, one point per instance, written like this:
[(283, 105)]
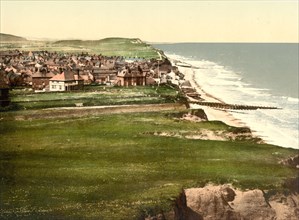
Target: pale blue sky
[(155, 21)]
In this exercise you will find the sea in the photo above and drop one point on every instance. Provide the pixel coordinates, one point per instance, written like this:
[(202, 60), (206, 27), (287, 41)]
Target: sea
[(264, 74)]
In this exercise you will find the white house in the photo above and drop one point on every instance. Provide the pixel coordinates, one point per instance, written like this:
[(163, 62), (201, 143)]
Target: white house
[(66, 81)]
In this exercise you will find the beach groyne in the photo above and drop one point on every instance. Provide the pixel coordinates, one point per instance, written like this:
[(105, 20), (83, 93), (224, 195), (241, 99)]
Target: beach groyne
[(193, 97), (231, 106)]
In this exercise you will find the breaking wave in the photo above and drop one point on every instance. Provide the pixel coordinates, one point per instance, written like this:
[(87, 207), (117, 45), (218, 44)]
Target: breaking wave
[(279, 127)]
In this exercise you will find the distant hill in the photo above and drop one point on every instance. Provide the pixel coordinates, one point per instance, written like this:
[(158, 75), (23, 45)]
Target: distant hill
[(111, 40), (114, 46), (9, 37)]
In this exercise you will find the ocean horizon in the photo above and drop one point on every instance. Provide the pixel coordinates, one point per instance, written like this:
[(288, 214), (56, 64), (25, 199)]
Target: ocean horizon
[(253, 74)]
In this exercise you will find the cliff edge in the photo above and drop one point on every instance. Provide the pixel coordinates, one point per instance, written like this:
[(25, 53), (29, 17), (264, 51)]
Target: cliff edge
[(225, 202)]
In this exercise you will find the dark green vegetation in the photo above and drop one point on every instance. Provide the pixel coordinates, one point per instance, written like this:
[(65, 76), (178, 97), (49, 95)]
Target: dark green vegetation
[(95, 96), (114, 167), (126, 47)]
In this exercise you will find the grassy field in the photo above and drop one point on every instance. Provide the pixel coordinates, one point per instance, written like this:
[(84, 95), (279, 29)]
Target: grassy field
[(126, 47), (95, 96), (113, 167)]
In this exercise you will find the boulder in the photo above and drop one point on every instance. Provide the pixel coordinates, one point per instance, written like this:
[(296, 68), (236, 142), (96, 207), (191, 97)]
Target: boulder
[(211, 202)]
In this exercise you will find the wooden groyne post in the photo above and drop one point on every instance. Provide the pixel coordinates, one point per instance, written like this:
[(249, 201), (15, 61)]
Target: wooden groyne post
[(231, 106)]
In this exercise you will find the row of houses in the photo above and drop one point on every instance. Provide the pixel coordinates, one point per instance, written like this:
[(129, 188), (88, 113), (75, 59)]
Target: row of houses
[(43, 70)]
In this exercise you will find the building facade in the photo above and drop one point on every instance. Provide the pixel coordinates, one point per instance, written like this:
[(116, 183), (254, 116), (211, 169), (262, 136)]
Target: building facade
[(66, 81)]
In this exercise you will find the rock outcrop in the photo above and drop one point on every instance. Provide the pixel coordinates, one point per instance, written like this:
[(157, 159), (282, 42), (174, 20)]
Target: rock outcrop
[(211, 202), (227, 203), (252, 205)]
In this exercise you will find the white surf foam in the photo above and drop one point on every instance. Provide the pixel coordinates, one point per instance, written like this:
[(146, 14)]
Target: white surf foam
[(279, 127)]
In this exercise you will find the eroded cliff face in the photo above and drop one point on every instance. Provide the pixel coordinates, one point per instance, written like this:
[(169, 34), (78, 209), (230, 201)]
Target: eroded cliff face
[(224, 202)]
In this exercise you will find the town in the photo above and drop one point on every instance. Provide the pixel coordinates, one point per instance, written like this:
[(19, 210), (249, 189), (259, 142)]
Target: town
[(44, 71)]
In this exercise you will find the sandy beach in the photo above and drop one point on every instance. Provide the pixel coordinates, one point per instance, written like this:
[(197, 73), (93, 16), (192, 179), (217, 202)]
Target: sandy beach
[(212, 113)]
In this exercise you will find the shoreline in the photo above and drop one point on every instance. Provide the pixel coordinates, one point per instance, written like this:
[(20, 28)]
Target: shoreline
[(212, 113), (273, 127)]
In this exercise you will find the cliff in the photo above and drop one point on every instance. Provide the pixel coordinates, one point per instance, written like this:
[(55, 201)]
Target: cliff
[(225, 202)]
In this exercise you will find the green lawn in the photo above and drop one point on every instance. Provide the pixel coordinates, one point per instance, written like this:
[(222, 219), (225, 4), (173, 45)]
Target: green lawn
[(95, 96), (113, 167)]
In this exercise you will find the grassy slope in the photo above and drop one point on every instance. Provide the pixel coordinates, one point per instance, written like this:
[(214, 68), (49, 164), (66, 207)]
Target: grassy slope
[(112, 166), (95, 95), (9, 37), (127, 47)]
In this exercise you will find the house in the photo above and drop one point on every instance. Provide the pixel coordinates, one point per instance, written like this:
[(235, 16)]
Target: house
[(66, 81), (41, 79), (103, 74), (163, 67), (4, 92), (128, 77), (51, 65), (109, 63)]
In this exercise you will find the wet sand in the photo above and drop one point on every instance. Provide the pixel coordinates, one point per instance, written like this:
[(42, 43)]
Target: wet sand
[(212, 113)]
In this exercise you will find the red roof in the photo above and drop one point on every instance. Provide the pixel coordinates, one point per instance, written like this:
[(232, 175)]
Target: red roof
[(59, 77), (66, 76)]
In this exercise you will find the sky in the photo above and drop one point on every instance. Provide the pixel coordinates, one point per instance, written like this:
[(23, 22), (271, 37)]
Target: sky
[(154, 21)]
